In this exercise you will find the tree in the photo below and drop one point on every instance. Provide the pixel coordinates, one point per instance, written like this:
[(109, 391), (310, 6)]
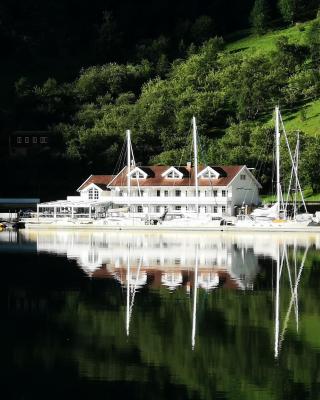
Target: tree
[(202, 29), (287, 10), (259, 16)]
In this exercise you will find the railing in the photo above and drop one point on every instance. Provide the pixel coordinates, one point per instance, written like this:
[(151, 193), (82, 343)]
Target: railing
[(144, 200)]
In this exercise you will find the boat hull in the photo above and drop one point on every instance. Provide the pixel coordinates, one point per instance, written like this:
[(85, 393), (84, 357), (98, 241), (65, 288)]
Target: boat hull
[(208, 227)]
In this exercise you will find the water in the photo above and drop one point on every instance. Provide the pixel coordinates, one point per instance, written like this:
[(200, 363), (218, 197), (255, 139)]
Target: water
[(162, 316)]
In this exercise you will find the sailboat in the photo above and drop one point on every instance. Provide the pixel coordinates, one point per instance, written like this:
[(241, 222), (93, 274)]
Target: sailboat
[(283, 259), (276, 217), (168, 220)]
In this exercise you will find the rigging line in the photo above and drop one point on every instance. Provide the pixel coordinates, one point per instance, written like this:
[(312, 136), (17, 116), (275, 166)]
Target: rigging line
[(118, 163), (289, 272), (293, 166), (134, 165), (268, 144), (293, 297), (134, 289), (290, 182), (281, 264)]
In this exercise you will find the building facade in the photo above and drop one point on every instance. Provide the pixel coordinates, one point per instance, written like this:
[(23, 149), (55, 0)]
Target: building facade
[(153, 190)]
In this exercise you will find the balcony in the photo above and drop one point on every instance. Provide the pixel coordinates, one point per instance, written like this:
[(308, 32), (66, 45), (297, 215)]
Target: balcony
[(155, 200)]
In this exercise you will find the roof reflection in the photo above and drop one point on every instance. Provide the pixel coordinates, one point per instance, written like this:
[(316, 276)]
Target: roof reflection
[(226, 260)]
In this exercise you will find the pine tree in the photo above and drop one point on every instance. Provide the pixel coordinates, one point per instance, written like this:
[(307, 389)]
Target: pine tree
[(259, 16), (288, 10)]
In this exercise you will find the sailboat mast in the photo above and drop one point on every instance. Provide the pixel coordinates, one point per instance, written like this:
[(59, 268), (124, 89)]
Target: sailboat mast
[(128, 165), (195, 152), (277, 305), (296, 176), (194, 311), (128, 294), (278, 162)]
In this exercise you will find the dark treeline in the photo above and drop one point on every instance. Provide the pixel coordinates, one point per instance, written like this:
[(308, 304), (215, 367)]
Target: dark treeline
[(89, 70), (59, 37)]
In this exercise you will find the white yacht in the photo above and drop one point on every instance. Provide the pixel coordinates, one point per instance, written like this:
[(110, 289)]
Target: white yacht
[(276, 217)]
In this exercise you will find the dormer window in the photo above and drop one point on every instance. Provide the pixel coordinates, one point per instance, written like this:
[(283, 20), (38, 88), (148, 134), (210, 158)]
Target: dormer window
[(172, 173), (138, 173), (93, 194), (208, 173)]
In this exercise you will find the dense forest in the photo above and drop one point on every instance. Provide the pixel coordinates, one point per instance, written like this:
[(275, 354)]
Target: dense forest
[(87, 71)]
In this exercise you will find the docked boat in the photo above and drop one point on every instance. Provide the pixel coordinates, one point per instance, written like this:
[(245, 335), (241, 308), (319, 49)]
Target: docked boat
[(277, 216), (192, 197)]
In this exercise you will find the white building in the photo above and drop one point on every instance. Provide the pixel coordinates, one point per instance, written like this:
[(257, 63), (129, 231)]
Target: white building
[(153, 190)]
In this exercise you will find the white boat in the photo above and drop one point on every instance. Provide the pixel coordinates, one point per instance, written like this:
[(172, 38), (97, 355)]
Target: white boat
[(276, 216), (123, 217)]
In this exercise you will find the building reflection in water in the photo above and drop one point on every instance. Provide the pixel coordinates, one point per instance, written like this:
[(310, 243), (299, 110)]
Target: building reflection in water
[(168, 259), (190, 261)]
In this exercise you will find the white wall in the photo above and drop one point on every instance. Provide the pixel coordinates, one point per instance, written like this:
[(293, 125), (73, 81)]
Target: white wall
[(244, 191)]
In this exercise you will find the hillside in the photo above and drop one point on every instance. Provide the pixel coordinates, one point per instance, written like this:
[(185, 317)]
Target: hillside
[(304, 116), (267, 42), (231, 88)]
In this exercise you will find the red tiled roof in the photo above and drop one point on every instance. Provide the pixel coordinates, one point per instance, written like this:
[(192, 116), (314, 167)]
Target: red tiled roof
[(100, 180), (155, 178)]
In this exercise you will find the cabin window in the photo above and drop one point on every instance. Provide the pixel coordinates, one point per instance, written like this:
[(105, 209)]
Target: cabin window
[(209, 174), (166, 193), (137, 175), (178, 193), (215, 209), (93, 194), (158, 193), (215, 193), (26, 139), (173, 174), (178, 208), (19, 139), (43, 139), (223, 209), (242, 177), (34, 139), (139, 209), (157, 209), (224, 193)]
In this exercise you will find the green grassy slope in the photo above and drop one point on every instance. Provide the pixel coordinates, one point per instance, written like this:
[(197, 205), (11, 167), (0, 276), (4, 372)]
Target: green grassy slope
[(307, 121), (293, 119), (310, 123), (267, 42)]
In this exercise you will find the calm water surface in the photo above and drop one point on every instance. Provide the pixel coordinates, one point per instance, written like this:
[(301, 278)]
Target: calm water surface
[(98, 315)]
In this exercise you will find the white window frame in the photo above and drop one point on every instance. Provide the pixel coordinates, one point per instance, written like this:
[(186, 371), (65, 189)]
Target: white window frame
[(172, 173), (208, 173), (137, 173), (93, 194)]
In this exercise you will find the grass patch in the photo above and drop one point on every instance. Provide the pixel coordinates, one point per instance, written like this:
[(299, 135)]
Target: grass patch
[(311, 122), (267, 42), (307, 194), (293, 121)]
